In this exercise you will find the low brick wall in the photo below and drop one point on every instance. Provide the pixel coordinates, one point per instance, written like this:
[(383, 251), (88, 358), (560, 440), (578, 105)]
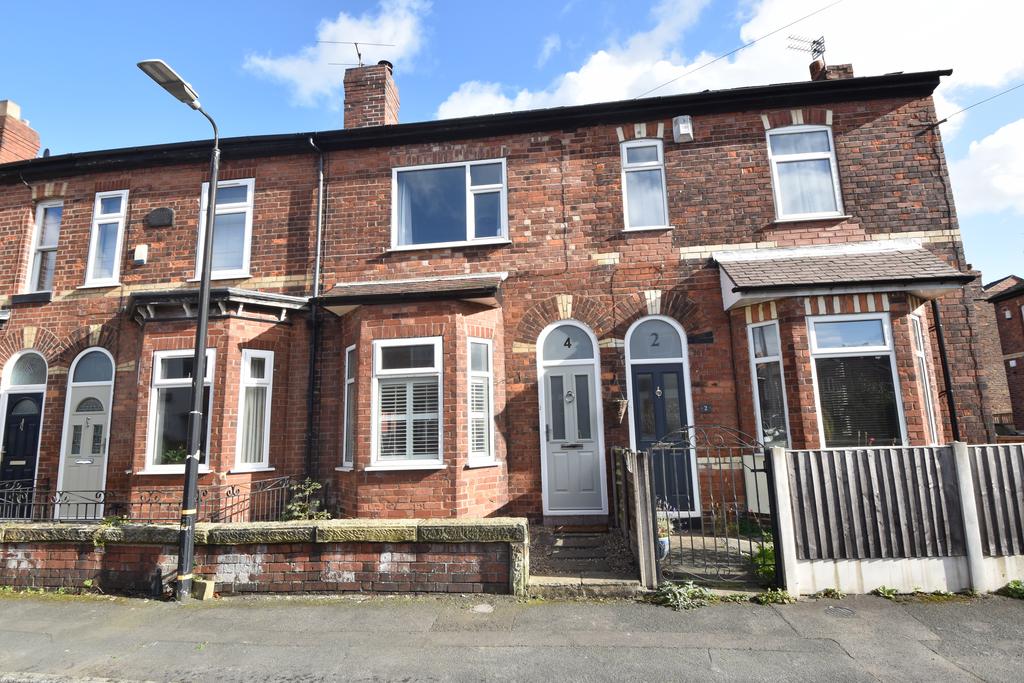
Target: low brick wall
[(432, 556)]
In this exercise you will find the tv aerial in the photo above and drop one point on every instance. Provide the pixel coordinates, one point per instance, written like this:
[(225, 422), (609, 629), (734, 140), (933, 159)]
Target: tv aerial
[(359, 53), (815, 46)]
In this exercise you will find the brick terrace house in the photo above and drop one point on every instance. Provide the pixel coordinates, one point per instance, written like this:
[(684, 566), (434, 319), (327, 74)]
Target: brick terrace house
[(461, 317), (1007, 298)]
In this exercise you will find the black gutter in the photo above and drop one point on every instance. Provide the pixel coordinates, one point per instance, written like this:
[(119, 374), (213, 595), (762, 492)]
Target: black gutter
[(1015, 291), (954, 421), (950, 280), (762, 97), (403, 297)]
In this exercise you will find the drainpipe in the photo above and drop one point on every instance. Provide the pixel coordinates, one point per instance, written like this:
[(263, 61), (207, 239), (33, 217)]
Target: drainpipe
[(954, 422), (312, 454)]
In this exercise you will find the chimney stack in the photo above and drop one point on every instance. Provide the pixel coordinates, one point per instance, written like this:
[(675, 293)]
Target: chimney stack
[(822, 72), (371, 96), (18, 142)]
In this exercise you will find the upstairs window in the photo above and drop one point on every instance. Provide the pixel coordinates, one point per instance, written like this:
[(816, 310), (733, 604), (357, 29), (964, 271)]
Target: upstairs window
[(450, 204), (643, 185), (108, 218), (804, 172), (44, 246), (232, 229), (407, 379)]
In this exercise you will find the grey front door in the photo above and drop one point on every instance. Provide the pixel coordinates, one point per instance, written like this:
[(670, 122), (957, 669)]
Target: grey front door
[(573, 483)]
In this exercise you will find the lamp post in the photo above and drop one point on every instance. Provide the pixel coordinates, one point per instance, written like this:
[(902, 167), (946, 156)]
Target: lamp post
[(170, 81)]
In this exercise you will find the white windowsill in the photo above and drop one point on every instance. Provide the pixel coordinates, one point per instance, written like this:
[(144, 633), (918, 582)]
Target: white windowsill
[(246, 470), (344, 468), (178, 471), (482, 463), (406, 466), (99, 285), (807, 219), (650, 228), (449, 245)]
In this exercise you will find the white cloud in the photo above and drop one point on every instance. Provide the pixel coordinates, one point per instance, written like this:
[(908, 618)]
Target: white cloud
[(991, 177), (309, 73), (877, 36), (552, 44)]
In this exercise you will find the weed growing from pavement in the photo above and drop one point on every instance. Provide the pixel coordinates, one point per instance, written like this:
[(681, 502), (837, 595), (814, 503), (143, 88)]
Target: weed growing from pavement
[(682, 595), (774, 596), (885, 592), (1014, 589), (830, 593)]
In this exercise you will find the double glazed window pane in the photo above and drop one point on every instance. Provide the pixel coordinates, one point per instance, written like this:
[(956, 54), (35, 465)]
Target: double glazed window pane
[(811, 142), (849, 334), (172, 409), (806, 186), (106, 249), (45, 263), (228, 240), (642, 155), (110, 205), (479, 409), (254, 424), (232, 194), (645, 197), (407, 357), (409, 419), (766, 341), (432, 206), (487, 214), (858, 401), (568, 342), (49, 231), (771, 403)]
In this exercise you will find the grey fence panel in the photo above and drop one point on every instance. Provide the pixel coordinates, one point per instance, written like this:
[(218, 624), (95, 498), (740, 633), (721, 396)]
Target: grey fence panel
[(872, 503), (999, 494)]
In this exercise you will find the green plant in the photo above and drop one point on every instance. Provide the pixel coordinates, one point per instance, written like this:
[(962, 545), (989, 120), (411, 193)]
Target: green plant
[(733, 597), (303, 505), (885, 592), (764, 559), (831, 593), (173, 456), (664, 527), (1014, 589), (680, 596), (774, 596)]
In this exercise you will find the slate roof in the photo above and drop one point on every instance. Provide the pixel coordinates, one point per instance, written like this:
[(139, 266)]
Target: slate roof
[(382, 291), (888, 266), (1010, 293)]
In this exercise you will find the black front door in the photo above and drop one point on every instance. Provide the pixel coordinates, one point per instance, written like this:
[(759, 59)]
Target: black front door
[(659, 415), (21, 438)]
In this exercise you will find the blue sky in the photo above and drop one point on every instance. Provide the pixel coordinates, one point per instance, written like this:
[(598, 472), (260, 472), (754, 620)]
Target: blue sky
[(259, 69)]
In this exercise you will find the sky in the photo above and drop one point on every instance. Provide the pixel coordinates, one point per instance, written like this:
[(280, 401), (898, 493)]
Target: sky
[(260, 69)]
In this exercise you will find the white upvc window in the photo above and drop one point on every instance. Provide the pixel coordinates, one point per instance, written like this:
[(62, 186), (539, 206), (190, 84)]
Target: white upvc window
[(481, 402), (770, 407), (805, 176), (857, 390), (924, 378), (254, 401), (169, 408), (348, 444), (232, 229), (44, 246), (644, 198), (108, 220), (407, 427), (445, 205)]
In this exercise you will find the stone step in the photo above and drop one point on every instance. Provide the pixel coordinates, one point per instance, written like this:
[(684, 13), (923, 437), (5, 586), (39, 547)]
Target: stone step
[(578, 553), (586, 585), (574, 565), (579, 540)]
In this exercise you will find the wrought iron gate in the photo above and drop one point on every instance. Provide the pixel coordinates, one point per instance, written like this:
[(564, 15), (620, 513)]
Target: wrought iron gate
[(714, 505)]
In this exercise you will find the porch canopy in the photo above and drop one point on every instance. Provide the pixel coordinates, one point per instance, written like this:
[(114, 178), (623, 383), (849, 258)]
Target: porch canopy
[(751, 276), (480, 288)]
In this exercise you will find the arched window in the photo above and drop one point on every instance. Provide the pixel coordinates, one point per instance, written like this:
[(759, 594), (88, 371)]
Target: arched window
[(27, 370), (655, 338), (567, 342), (93, 366), (89, 405)]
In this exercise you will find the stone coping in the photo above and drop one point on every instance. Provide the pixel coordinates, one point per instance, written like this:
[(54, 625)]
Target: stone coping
[(488, 530)]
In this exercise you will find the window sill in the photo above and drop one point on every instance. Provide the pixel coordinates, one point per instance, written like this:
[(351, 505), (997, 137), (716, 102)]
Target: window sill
[(31, 298), (449, 245), (247, 470), (401, 467), (345, 468), (225, 276), (176, 470), (105, 285), (653, 228), (471, 465), (811, 219)]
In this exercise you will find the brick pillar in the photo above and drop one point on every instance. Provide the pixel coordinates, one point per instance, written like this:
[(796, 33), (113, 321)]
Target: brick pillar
[(371, 96), (17, 141)]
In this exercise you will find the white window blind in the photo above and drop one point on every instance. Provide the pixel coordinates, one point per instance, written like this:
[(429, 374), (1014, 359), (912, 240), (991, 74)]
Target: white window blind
[(481, 411)]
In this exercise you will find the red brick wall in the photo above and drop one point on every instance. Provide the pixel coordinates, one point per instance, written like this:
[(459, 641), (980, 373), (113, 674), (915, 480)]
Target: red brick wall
[(1011, 337), (278, 568)]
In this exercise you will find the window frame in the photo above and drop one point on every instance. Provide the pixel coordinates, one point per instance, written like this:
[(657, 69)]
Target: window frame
[(37, 234), (775, 159), (121, 218), (755, 388), (471, 191), (351, 361), (249, 208), (627, 168), (816, 352), (925, 379), (245, 380), (477, 459), (437, 371), (155, 383)]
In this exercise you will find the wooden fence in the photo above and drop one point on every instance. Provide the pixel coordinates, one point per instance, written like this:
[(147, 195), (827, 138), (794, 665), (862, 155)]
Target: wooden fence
[(999, 494)]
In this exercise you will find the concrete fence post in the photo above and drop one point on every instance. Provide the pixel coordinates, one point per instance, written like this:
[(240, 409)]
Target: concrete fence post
[(784, 513), (969, 511), (646, 524)]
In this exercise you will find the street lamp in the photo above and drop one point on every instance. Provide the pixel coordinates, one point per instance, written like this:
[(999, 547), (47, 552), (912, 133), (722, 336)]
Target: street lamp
[(170, 81)]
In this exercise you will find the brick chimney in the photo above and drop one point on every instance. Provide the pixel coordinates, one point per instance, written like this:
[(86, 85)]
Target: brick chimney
[(17, 141), (371, 96), (822, 72)]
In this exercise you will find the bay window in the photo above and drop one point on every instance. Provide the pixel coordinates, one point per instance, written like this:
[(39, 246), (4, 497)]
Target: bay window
[(169, 407), (481, 402), (257, 383), (449, 204), (769, 387), (855, 380), (103, 267), (407, 405), (232, 229), (44, 247), (643, 185), (804, 173)]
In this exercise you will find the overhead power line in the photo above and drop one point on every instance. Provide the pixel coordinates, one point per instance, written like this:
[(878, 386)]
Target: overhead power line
[(972, 106), (741, 47)]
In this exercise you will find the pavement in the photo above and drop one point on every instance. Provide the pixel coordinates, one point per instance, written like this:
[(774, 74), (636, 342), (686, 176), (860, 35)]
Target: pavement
[(496, 638)]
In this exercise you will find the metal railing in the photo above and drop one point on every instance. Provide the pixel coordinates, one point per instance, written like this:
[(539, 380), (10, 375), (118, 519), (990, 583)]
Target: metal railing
[(257, 501)]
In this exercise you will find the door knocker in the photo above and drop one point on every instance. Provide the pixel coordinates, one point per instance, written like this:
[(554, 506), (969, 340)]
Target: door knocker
[(21, 425), (569, 396), (658, 392)]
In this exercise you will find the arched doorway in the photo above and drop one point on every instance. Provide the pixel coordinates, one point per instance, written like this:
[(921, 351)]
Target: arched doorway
[(23, 389), (83, 465), (572, 428), (658, 385)]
